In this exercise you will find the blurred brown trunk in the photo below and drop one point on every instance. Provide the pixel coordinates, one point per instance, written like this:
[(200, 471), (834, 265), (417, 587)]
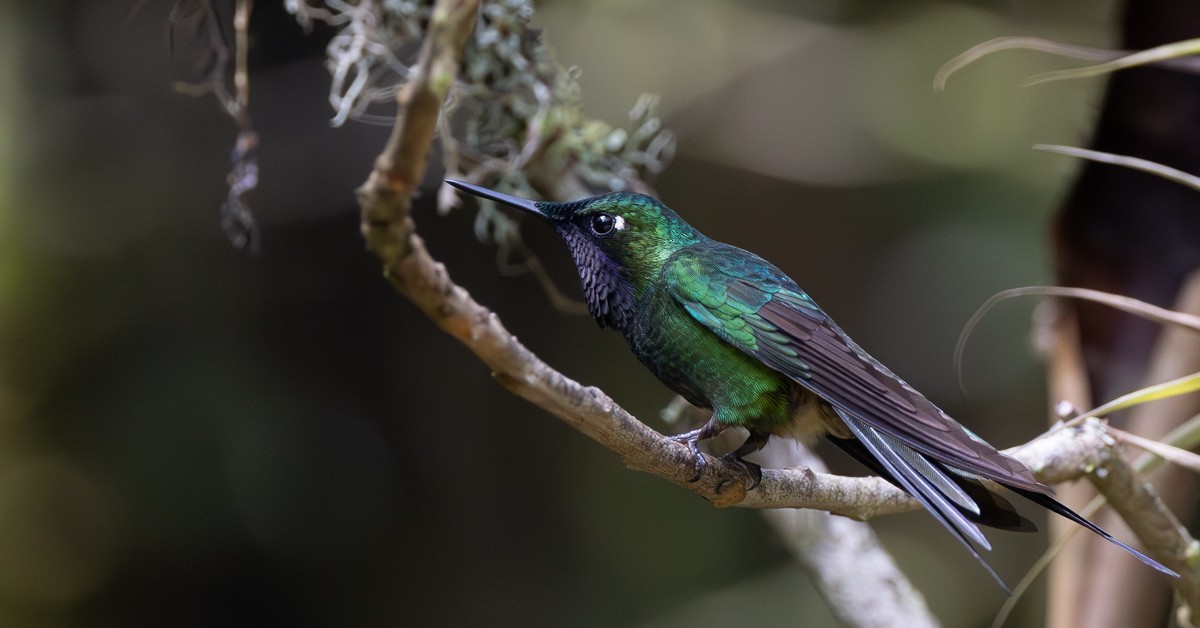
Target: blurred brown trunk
[(1134, 234)]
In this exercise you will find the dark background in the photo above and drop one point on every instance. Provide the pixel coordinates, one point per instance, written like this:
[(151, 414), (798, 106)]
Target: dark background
[(193, 436)]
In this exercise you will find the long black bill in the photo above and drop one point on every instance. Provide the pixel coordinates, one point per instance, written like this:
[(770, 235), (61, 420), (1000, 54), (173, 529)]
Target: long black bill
[(499, 197)]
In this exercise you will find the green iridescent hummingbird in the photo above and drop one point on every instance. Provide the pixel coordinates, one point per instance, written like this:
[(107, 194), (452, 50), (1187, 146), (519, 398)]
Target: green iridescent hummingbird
[(729, 331)]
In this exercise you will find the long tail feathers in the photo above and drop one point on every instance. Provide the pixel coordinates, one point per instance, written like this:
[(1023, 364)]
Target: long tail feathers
[(1058, 507), (994, 510), (923, 489), (956, 501)]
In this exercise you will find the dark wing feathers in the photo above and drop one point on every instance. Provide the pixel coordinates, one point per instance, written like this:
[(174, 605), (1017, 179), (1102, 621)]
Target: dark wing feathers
[(899, 433), (757, 308)]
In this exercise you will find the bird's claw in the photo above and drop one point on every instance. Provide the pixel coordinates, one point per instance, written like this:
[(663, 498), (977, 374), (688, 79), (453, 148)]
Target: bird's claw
[(752, 471), (734, 458), (691, 439), (701, 464)]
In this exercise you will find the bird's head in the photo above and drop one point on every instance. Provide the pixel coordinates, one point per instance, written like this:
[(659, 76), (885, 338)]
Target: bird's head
[(619, 242)]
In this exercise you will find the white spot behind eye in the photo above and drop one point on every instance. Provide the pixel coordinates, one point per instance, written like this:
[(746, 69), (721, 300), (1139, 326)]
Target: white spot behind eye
[(619, 223)]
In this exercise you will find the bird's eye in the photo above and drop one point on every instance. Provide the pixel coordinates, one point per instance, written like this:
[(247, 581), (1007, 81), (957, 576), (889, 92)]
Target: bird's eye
[(602, 224)]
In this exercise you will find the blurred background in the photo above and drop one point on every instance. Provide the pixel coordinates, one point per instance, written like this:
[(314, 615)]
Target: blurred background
[(196, 436)]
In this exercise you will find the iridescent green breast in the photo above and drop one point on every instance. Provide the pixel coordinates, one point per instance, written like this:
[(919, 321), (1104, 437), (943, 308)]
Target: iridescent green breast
[(706, 370)]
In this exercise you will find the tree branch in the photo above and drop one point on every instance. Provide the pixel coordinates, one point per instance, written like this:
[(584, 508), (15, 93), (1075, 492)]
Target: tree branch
[(1169, 542), (1115, 592), (860, 582), (1176, 353), (390, 233)]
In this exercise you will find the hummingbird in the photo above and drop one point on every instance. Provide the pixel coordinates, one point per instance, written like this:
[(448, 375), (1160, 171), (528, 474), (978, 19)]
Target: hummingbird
[(730, 332)]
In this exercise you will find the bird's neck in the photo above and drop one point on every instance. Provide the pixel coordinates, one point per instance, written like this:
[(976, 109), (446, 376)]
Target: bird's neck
[(610, 294)]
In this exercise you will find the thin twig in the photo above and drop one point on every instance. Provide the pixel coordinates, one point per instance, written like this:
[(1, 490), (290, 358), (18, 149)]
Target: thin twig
[(1148, 311), (1118, 585), (1134, 163), (977, 52), (237, 221), (1117, 593), (1166, 52)]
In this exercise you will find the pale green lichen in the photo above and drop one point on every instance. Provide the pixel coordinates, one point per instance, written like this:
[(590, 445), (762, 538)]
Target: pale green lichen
[(370, 55), (514, 110)]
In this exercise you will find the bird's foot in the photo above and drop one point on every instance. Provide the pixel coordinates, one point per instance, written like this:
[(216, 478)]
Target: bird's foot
[(691, 439), (752, 471), (707, 431), (756, 441)]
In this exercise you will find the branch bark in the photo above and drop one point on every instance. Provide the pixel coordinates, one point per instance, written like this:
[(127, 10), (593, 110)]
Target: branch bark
[(858, 579), (390, 233)]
